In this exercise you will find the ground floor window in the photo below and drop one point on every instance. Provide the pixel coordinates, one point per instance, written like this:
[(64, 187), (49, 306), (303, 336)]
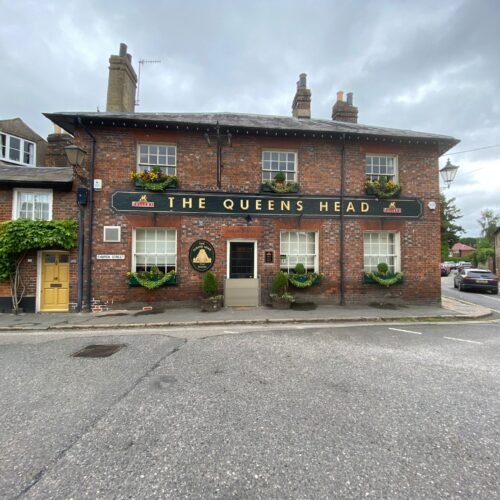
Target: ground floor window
[(299, 247), (155, 248), (381, 247), (32, 204)]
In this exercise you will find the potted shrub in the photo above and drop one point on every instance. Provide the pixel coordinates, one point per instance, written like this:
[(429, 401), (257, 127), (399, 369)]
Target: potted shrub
[(382, 276), (302, 279), (212, 300), (280, 185), (382, 188), (153, 180), (280, 298)]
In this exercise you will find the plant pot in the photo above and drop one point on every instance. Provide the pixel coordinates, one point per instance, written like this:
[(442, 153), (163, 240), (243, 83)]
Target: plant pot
[(279, 303), (265, 188), (211, 304)]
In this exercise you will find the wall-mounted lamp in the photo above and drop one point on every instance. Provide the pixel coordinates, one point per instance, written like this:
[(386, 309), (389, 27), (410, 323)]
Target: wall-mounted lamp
[(75, 155), (448, 173)]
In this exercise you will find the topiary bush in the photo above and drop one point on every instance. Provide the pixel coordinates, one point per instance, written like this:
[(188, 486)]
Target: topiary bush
[(382, 268), (210, 285), (280, 177), (280, 284), (300, 269)]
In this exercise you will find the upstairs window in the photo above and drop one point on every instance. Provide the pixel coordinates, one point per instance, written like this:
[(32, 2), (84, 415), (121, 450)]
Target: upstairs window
[(279, 161), (32, 204), (16, 150), (157, 155), (377, 166)]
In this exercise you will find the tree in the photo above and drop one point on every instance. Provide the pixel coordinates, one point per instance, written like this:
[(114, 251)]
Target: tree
[(470, 241), (450, 232), (489, 222), (18, 237)]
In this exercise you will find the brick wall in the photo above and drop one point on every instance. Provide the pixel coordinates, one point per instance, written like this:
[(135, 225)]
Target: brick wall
[(319, 163)]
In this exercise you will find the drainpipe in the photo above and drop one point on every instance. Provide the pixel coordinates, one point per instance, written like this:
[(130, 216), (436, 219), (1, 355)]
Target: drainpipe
[(91, 215), (342, 243)]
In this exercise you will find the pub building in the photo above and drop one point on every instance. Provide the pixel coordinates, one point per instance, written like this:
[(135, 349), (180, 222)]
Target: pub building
[(227, 210)]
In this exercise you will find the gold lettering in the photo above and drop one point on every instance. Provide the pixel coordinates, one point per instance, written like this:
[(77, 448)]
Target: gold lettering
[(350, 207), (201, 203), (228, 204), (258, 204), (244, 204), (323, 206), (299, 206), (285, 205), (336, 206), (171, 202), (187, 202), (364, 206), (270, 204)]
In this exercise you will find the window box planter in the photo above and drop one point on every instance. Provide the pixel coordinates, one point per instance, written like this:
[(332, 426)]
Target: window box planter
[(271, 187), (156, 186), (382, 188), (133, 281), (305, 280), (389, 278)]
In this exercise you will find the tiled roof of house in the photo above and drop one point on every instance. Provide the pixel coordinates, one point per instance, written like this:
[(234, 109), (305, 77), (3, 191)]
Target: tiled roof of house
[(461, 246), (241, 123)]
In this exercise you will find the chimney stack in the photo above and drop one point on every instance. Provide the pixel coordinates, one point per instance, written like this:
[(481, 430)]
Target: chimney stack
[(301, 106), (345, 111), (122, 83)]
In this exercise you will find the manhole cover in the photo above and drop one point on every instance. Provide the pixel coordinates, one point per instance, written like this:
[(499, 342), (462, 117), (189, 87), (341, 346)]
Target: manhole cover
[(98, 351)]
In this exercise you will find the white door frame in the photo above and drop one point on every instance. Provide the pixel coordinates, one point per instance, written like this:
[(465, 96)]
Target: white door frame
[(242, 240)]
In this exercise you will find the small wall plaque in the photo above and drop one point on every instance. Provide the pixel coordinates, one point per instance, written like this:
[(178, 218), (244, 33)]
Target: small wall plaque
[(269, 257), (202, 255), (110, 257)]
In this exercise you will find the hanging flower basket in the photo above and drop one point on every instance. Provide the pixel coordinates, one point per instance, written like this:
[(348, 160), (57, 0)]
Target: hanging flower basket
[(152, 279), (382, 188), (153, 180)]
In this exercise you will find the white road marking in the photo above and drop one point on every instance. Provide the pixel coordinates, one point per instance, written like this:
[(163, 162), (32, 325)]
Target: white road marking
[(230, 331), (463, 340), (406, 331)]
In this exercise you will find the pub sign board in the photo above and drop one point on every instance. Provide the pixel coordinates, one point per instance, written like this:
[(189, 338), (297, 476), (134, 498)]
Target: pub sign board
[(264, 205), (202, 255)]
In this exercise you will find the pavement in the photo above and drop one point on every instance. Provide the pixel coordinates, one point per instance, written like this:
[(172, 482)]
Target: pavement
[(450, 309)]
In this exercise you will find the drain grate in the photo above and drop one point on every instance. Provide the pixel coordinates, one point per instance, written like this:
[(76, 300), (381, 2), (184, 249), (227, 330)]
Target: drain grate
[(98, 351)]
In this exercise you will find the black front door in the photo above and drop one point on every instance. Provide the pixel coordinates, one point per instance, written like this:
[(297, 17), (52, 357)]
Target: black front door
[(241, 260)]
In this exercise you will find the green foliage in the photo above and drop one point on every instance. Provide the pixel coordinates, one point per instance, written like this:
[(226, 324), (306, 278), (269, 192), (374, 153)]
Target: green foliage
[(450, 232), (481, 255), (280, 284), (387, 279), (210, 285), (152, 279), (305, 280), (22, 235), (489, 221), (282, 187), (472, 242), (382, 268), (382, 188), (300, 269), (154, 179), (280, 177)]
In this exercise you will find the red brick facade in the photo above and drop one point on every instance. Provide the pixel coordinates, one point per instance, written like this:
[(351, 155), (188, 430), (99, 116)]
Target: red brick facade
[(319, 166)]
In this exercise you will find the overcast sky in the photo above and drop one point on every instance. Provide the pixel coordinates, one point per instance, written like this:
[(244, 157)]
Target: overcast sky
[(428, 66)]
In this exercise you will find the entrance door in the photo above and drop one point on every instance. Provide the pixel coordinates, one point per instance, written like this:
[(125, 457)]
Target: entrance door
[(55, 282), (241, 259)]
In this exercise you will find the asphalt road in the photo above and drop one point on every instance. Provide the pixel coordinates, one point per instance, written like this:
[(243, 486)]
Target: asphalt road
[(482, 298), (384, 411)]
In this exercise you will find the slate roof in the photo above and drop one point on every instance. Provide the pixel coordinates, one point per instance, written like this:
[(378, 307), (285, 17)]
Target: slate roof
[(17, 127), (42, 177), (241, 123)]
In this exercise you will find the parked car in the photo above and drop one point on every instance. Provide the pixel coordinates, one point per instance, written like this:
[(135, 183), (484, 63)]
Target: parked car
[(476, 279), (464, 265), (451, 265), (445, 270)]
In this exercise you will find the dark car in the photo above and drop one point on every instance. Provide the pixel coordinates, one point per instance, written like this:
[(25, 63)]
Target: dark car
[(476, 279)]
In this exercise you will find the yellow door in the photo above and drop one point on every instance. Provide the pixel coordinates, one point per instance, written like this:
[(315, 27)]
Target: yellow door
[(55, 281)]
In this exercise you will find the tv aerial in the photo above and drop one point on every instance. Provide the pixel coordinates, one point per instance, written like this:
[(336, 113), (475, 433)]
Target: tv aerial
[(142, 62)]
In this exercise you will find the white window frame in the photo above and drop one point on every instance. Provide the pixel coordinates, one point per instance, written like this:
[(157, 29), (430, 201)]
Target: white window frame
[(376, 175), (289, 267), (134, 244), (274, 172), (106, 240), (23, 142), (15, 200), (141, 166), (396, 255)]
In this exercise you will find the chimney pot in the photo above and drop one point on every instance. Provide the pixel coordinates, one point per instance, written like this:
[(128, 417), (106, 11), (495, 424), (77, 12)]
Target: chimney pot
[(301, 106), (345, 111), (123, 49), (340, 95), (350, 98), (302, 81)]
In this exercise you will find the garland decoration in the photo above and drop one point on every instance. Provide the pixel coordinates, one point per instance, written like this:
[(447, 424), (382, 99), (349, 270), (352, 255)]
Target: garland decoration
[(151, 279), (305, 280), (282, 187), (386, 279)]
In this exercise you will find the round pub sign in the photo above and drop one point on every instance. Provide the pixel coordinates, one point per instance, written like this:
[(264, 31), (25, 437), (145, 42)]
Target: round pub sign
[(202, 255)]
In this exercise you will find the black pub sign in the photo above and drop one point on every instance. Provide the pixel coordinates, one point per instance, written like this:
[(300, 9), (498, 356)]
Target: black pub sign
[(202, 255), (264, 205)]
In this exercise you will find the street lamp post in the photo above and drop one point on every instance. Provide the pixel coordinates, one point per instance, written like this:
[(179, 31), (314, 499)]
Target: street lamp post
[(76, 156), (448, 173)]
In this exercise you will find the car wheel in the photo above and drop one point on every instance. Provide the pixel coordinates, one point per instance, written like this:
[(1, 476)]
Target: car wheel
[(455, 284), (460, 287)]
